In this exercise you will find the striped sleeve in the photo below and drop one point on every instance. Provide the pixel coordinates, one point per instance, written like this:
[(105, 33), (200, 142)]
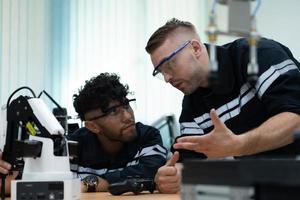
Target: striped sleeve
[(278, 87)]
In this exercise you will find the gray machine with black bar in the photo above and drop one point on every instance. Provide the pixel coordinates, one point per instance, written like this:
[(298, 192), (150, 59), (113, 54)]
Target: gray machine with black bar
[(249, 179)]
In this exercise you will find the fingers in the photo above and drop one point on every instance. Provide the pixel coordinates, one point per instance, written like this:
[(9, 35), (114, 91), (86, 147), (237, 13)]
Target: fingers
[(172, 161), (186, 145), (4, 167), (192, 139), (167, 179), (198, 142), (167, 171), (186, 139), (215, 119), (169, 189)]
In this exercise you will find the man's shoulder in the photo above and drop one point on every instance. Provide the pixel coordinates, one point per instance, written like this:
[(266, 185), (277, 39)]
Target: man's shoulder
[(147, 134), (269, 52), (144, 128), (79, 134), (243, 43)]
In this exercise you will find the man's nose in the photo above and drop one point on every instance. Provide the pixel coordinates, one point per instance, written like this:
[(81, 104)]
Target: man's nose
[(126, 114), (167, 77)]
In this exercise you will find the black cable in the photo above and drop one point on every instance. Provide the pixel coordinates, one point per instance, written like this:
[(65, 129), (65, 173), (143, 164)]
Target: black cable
[(48, 95), (17, 90)]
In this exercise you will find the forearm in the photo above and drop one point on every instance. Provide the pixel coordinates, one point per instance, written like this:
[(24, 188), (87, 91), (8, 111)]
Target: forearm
[(274, 133)]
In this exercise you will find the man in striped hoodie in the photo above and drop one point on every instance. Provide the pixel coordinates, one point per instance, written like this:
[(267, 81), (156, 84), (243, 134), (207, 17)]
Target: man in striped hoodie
[(231, 116), (112, 146)]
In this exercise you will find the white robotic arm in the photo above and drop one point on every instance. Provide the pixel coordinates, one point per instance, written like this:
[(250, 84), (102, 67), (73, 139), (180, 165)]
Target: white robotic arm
[(33, 133), (45, 117)]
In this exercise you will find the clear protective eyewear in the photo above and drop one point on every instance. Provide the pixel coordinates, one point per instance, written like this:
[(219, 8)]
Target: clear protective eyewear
[(117, 109), (157, 72)]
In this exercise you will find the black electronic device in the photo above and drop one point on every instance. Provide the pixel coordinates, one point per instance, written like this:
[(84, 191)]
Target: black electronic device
[(46, 190), (135, 185)]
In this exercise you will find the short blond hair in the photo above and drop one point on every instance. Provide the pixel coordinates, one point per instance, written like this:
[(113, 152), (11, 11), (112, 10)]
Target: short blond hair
[(162, 33)]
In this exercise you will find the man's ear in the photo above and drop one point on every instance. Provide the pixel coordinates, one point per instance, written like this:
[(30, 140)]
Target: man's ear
[(197, 47), (93, 127)]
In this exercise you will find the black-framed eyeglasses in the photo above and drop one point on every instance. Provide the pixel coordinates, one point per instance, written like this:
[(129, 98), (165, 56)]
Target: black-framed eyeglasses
[(114, 110), (166, 59)]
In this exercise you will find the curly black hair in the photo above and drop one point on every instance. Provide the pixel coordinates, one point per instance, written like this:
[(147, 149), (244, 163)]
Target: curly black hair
[(98, 92)]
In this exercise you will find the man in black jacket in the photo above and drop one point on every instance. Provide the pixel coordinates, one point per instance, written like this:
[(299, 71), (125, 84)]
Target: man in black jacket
[(231, 117), (112, 147)]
